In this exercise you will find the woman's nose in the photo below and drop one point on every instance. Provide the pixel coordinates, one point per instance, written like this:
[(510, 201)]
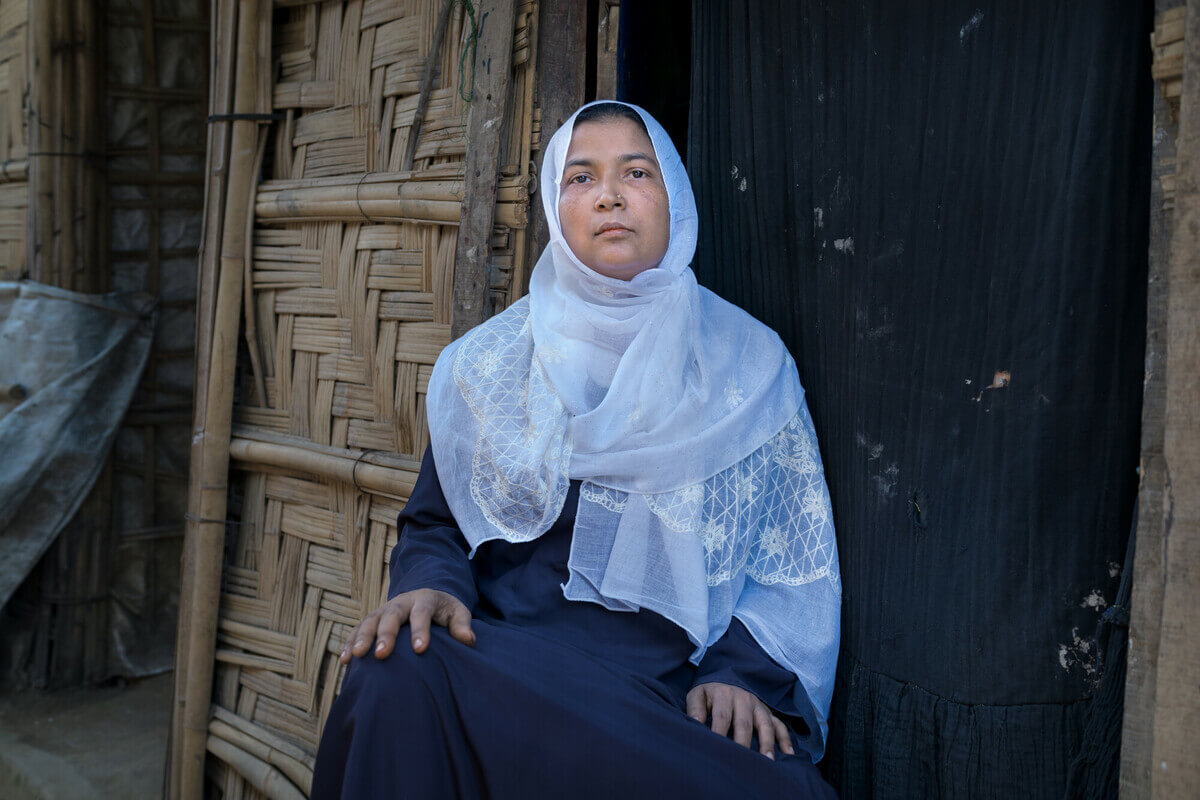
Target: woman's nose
[(609, 197)]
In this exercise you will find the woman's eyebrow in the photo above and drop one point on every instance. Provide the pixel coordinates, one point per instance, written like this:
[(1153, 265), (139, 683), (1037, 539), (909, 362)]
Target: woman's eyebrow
[(587, 162)]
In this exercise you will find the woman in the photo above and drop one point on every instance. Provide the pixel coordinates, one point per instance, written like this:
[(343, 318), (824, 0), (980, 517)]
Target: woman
[(617, 565)]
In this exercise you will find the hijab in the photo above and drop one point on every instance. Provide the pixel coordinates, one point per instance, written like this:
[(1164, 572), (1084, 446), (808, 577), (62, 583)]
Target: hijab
[(702, 491)]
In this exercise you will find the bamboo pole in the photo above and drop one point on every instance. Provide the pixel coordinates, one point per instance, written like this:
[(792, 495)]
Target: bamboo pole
[(355, 471), (207, 498), (248, 285), (296, 770), (223, 25), (374, 201), (259, 774), (41, 37), (485, 123), (414, 133)]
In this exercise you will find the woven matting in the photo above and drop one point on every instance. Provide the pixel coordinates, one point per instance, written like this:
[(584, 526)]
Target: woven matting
[(352, 281)]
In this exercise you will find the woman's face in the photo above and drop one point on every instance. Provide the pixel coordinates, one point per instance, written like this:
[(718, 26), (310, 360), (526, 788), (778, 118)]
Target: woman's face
[(612, 203)]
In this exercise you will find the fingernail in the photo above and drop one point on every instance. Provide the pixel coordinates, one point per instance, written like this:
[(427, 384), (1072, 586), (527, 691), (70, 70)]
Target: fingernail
[(417, 642), (771, 756), (379, 647), (360, 643)]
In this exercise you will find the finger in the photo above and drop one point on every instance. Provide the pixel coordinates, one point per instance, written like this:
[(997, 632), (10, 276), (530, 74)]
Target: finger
[(418, 620), (460, 623), (766, 731), (697, 705), (722, 712), (389, 625), (365, 635), (743, 720), (783, 737), (350, 639)]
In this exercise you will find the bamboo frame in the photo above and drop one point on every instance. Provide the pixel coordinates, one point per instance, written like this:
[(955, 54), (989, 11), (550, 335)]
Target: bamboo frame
[(223, 22), (207, 497)]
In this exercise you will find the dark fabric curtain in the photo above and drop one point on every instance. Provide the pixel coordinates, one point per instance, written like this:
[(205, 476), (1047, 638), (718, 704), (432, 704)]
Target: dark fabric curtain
[(942, 207)]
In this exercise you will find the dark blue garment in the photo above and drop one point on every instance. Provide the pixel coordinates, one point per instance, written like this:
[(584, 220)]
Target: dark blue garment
[(556, 699)]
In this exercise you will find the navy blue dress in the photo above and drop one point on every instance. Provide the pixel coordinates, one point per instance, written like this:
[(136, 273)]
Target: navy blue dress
[(557, 698)]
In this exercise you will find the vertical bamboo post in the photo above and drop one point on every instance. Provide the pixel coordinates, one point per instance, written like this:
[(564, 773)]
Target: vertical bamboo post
[(489, 98), (41, 37), (1137, 724), (207, 497), (559, 90), (1174, 770)]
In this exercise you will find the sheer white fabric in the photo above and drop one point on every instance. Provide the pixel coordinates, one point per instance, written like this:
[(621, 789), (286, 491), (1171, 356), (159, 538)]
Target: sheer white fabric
[(703, 495)]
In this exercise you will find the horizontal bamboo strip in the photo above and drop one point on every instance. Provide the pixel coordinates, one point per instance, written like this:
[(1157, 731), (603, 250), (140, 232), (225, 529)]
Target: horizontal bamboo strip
[(260, 743), (432, 201), (303, 728), (284, 747), (255, 639), (370, 477), (297, 490), (14, 171), (255, 662)]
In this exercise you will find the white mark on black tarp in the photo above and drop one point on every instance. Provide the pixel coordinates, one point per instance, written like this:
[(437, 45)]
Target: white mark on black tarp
[(844, 245), (885, 483), (1079, 652), (733, 176), (874, 451), (1094, 601), (969, 28)]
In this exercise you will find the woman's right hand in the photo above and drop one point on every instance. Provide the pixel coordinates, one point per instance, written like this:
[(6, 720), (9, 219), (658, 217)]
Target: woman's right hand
[(418, 608)]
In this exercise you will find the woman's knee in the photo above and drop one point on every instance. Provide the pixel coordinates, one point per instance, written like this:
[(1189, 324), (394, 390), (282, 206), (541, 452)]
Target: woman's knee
[(400, 683)]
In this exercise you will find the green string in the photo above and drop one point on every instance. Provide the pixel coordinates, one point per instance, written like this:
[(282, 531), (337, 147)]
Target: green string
[(472, 43)]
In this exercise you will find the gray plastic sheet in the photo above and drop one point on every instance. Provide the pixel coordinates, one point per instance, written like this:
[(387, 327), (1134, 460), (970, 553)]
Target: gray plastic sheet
[(77, 360)]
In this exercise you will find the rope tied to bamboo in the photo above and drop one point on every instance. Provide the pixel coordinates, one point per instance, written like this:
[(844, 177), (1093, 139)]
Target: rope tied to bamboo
[(354, 469), (358, 200)]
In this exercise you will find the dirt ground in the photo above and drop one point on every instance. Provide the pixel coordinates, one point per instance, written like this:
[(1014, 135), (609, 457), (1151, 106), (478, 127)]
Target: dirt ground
[(85, 744)]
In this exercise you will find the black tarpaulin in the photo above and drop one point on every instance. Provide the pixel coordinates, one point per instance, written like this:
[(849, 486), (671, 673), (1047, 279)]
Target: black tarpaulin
[(942, 208)]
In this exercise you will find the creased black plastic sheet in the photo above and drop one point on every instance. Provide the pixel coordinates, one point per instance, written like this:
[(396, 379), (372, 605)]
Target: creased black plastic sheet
[(77, 359), (943, 209)]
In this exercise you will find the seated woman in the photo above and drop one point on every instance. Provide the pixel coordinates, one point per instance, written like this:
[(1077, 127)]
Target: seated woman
[(617, 566)]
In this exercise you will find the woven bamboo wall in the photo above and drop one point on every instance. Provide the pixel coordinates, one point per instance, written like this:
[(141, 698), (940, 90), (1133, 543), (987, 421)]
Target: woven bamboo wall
[(14, 142), (351, 283)]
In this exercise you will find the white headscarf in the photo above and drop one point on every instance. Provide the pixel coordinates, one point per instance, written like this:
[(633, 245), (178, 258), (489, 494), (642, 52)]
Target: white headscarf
[(703, 495)]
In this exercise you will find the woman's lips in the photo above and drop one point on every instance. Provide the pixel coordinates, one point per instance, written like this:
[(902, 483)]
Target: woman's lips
[(612, 230)]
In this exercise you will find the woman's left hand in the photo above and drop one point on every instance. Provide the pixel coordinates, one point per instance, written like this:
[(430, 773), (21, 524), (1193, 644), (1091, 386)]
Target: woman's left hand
[(736, 709)]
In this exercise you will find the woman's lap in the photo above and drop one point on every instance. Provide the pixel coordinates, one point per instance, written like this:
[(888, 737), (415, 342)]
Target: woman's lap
[(521, 716)]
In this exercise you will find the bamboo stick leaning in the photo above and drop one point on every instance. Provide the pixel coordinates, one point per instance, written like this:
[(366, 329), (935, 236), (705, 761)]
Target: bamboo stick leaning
[(208, 496)]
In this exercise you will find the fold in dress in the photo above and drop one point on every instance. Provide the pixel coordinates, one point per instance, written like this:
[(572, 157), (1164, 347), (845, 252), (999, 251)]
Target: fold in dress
[(557, 698)]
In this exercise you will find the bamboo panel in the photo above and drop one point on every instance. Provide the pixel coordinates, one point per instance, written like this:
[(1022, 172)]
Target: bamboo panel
[(65, 176), (349, 290), (14, 145)]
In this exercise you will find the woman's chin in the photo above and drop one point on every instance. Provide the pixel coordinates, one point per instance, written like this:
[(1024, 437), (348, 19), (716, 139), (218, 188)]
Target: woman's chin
[(622, 271)]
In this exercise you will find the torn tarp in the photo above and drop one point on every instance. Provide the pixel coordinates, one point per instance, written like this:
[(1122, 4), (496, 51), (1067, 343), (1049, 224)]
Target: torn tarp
[(69, 364)]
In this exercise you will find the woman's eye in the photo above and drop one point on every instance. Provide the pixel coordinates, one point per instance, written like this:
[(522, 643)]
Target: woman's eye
[(638, 173), (578, 179)]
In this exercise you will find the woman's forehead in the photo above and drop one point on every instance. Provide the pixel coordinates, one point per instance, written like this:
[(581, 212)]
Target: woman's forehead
[(609, 138)]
